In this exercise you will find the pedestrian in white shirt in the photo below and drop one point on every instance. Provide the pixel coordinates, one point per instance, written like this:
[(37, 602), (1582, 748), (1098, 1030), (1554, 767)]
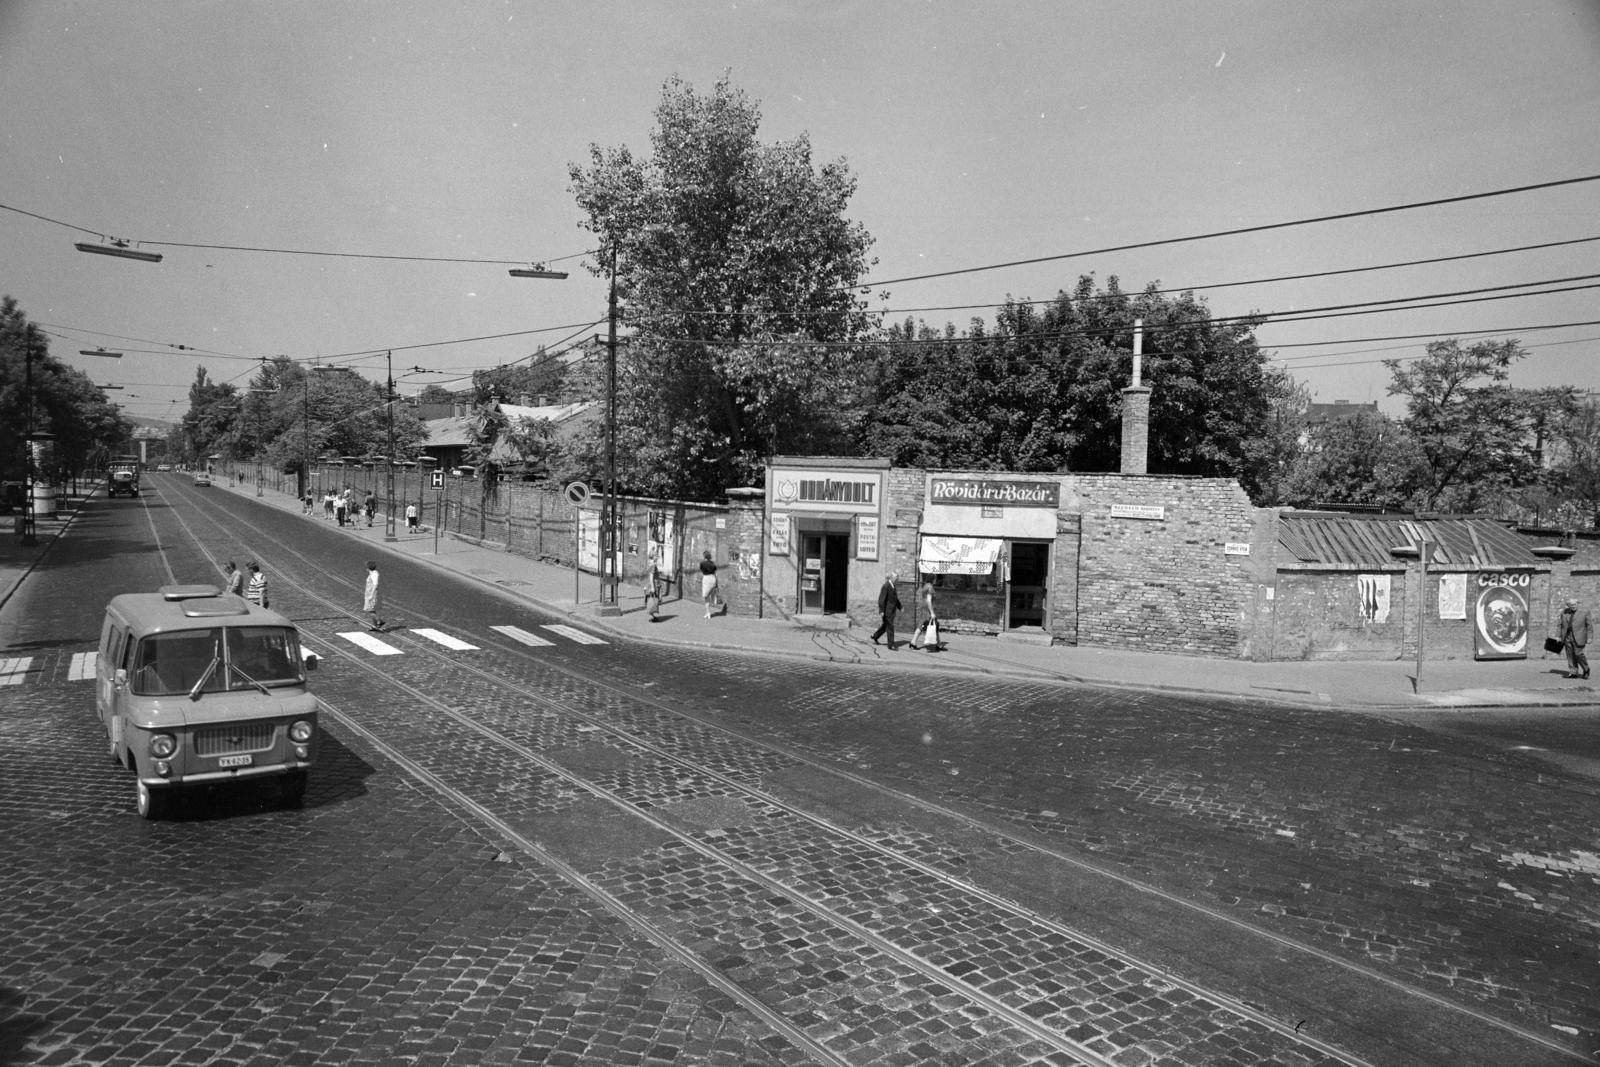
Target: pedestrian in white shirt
[(372, 601)]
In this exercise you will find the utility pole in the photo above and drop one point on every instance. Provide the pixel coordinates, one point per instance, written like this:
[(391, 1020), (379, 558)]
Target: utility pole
[(388, 404), (608, 533)]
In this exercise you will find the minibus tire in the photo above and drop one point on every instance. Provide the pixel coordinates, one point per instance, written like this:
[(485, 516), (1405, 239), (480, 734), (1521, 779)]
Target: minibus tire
[(294, 789), (150, 803)]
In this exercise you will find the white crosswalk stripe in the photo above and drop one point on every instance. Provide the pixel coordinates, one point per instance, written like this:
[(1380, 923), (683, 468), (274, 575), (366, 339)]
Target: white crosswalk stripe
[(12, 670), (83, 666), (370, 643), (517, 633), (438, 637), (575, 634)]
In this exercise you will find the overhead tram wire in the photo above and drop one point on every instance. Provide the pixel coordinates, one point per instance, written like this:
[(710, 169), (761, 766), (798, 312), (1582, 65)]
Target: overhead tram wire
[(297, 251), (1208, 286), (1254, 320), (1263, 228)]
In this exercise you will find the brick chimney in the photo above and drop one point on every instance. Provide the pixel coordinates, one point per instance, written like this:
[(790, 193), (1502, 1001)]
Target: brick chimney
[(1136, 413)]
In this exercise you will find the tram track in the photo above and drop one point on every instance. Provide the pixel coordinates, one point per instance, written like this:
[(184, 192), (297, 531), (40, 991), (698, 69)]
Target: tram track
[(1036, 926)]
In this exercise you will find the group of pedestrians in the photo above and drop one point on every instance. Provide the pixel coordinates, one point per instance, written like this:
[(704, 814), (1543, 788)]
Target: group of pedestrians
[(342, 509), (252, 588), (926, 635), (657, 579)]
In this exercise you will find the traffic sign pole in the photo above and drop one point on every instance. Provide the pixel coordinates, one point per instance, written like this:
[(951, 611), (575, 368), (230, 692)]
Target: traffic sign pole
[(576, 493)]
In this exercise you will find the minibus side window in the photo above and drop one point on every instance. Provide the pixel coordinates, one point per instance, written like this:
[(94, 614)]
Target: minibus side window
[(170, 664)]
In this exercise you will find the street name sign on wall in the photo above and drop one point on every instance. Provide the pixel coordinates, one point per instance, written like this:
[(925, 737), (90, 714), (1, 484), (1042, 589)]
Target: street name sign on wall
[(1138, 511)]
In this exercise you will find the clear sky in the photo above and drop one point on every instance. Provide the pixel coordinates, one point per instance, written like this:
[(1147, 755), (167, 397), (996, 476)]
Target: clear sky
[(980, 134)]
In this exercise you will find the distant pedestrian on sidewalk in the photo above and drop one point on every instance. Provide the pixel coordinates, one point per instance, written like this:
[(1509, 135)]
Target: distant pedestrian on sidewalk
[(411, 518), (327, 505), (308, 503), (234, 579), (370, 506), (372, 598), (708, 581), (341, 508), (1574, 630), (652, 593), (888, 608), (256, 591)]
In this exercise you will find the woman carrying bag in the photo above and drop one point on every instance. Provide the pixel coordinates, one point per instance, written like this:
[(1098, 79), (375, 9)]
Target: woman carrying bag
[(927, 636)]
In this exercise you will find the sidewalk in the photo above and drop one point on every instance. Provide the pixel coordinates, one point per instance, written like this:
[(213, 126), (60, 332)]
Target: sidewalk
[(1461, 683)]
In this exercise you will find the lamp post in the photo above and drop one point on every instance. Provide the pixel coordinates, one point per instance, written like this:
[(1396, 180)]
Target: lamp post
[(388, 405), (1421, 550), (260, 427)]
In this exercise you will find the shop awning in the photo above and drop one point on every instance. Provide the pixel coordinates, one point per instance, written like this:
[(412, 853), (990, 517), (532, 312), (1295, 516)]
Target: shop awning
[(958, 555)]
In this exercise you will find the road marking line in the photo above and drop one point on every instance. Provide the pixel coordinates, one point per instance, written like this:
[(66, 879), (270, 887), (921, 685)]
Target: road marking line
[(439, 637), (12, 670), (575, 634), (370, 643), (516, 633), (83, 666)]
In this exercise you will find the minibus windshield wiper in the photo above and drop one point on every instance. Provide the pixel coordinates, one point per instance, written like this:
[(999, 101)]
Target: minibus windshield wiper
[(259, 685), (194, 694)]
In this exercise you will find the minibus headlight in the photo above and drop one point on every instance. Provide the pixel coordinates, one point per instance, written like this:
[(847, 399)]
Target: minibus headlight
[(163, 745), (300, 732)]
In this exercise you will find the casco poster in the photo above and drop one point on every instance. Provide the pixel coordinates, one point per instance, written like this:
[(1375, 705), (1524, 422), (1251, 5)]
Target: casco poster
[(1500, 621)]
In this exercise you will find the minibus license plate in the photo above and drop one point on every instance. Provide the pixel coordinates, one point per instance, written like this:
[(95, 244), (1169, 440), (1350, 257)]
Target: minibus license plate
[(235, 761)]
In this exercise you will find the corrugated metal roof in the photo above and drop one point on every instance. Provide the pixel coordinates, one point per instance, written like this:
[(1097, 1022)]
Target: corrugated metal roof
[(1365, 540)]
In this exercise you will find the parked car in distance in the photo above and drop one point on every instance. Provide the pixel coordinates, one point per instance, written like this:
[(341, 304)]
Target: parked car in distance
[(202, 478)]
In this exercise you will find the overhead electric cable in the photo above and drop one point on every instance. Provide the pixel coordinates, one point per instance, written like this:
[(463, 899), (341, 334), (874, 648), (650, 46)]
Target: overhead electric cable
[(301, 251), (1205, 287), (1265, 227)]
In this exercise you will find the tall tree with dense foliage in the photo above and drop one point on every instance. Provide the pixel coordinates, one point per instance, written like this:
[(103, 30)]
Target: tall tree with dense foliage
[(737, 269), (1363, 458), (1041, 389), (86, 427), (1477, 433)]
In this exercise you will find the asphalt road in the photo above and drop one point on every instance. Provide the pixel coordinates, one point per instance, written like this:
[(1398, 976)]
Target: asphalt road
[(551, 847)]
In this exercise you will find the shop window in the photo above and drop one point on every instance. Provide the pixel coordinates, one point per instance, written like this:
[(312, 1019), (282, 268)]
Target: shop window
[(967, 583)]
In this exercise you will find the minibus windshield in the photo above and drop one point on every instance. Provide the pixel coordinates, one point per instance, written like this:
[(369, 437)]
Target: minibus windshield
[(262, 655), (246, 657), (174, 663)]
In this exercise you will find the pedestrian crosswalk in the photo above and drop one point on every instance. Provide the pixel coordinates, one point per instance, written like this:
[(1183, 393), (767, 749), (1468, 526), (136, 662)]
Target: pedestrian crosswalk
[(373, 642), (83, 666), (16, 670)]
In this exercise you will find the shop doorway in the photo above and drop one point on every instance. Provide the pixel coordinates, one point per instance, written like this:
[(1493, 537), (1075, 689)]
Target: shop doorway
[(1029, 578), (824, 572)]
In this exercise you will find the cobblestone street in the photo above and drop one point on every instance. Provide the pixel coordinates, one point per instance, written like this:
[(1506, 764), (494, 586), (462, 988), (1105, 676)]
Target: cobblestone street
[(527, 843)]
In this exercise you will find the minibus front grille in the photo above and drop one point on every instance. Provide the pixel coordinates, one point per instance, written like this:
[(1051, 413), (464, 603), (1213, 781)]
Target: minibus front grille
[(227, 740)]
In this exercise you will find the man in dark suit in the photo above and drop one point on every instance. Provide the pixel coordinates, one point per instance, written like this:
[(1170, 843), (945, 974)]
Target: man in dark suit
[(1573, 629), (888, 607)]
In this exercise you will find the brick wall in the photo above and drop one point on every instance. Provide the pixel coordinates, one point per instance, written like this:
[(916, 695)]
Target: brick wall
[(1163, 584)]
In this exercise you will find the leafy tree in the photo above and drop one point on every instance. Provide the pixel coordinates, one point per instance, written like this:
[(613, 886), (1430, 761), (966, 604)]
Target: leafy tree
[(85, 425), (209, 422), (737, 269), (542, 376), (1575, 471), (1041, 390), (1476, 432), (1364, 457)]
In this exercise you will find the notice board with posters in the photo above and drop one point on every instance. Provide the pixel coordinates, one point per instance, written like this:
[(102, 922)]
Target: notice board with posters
[(1500, 614)]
